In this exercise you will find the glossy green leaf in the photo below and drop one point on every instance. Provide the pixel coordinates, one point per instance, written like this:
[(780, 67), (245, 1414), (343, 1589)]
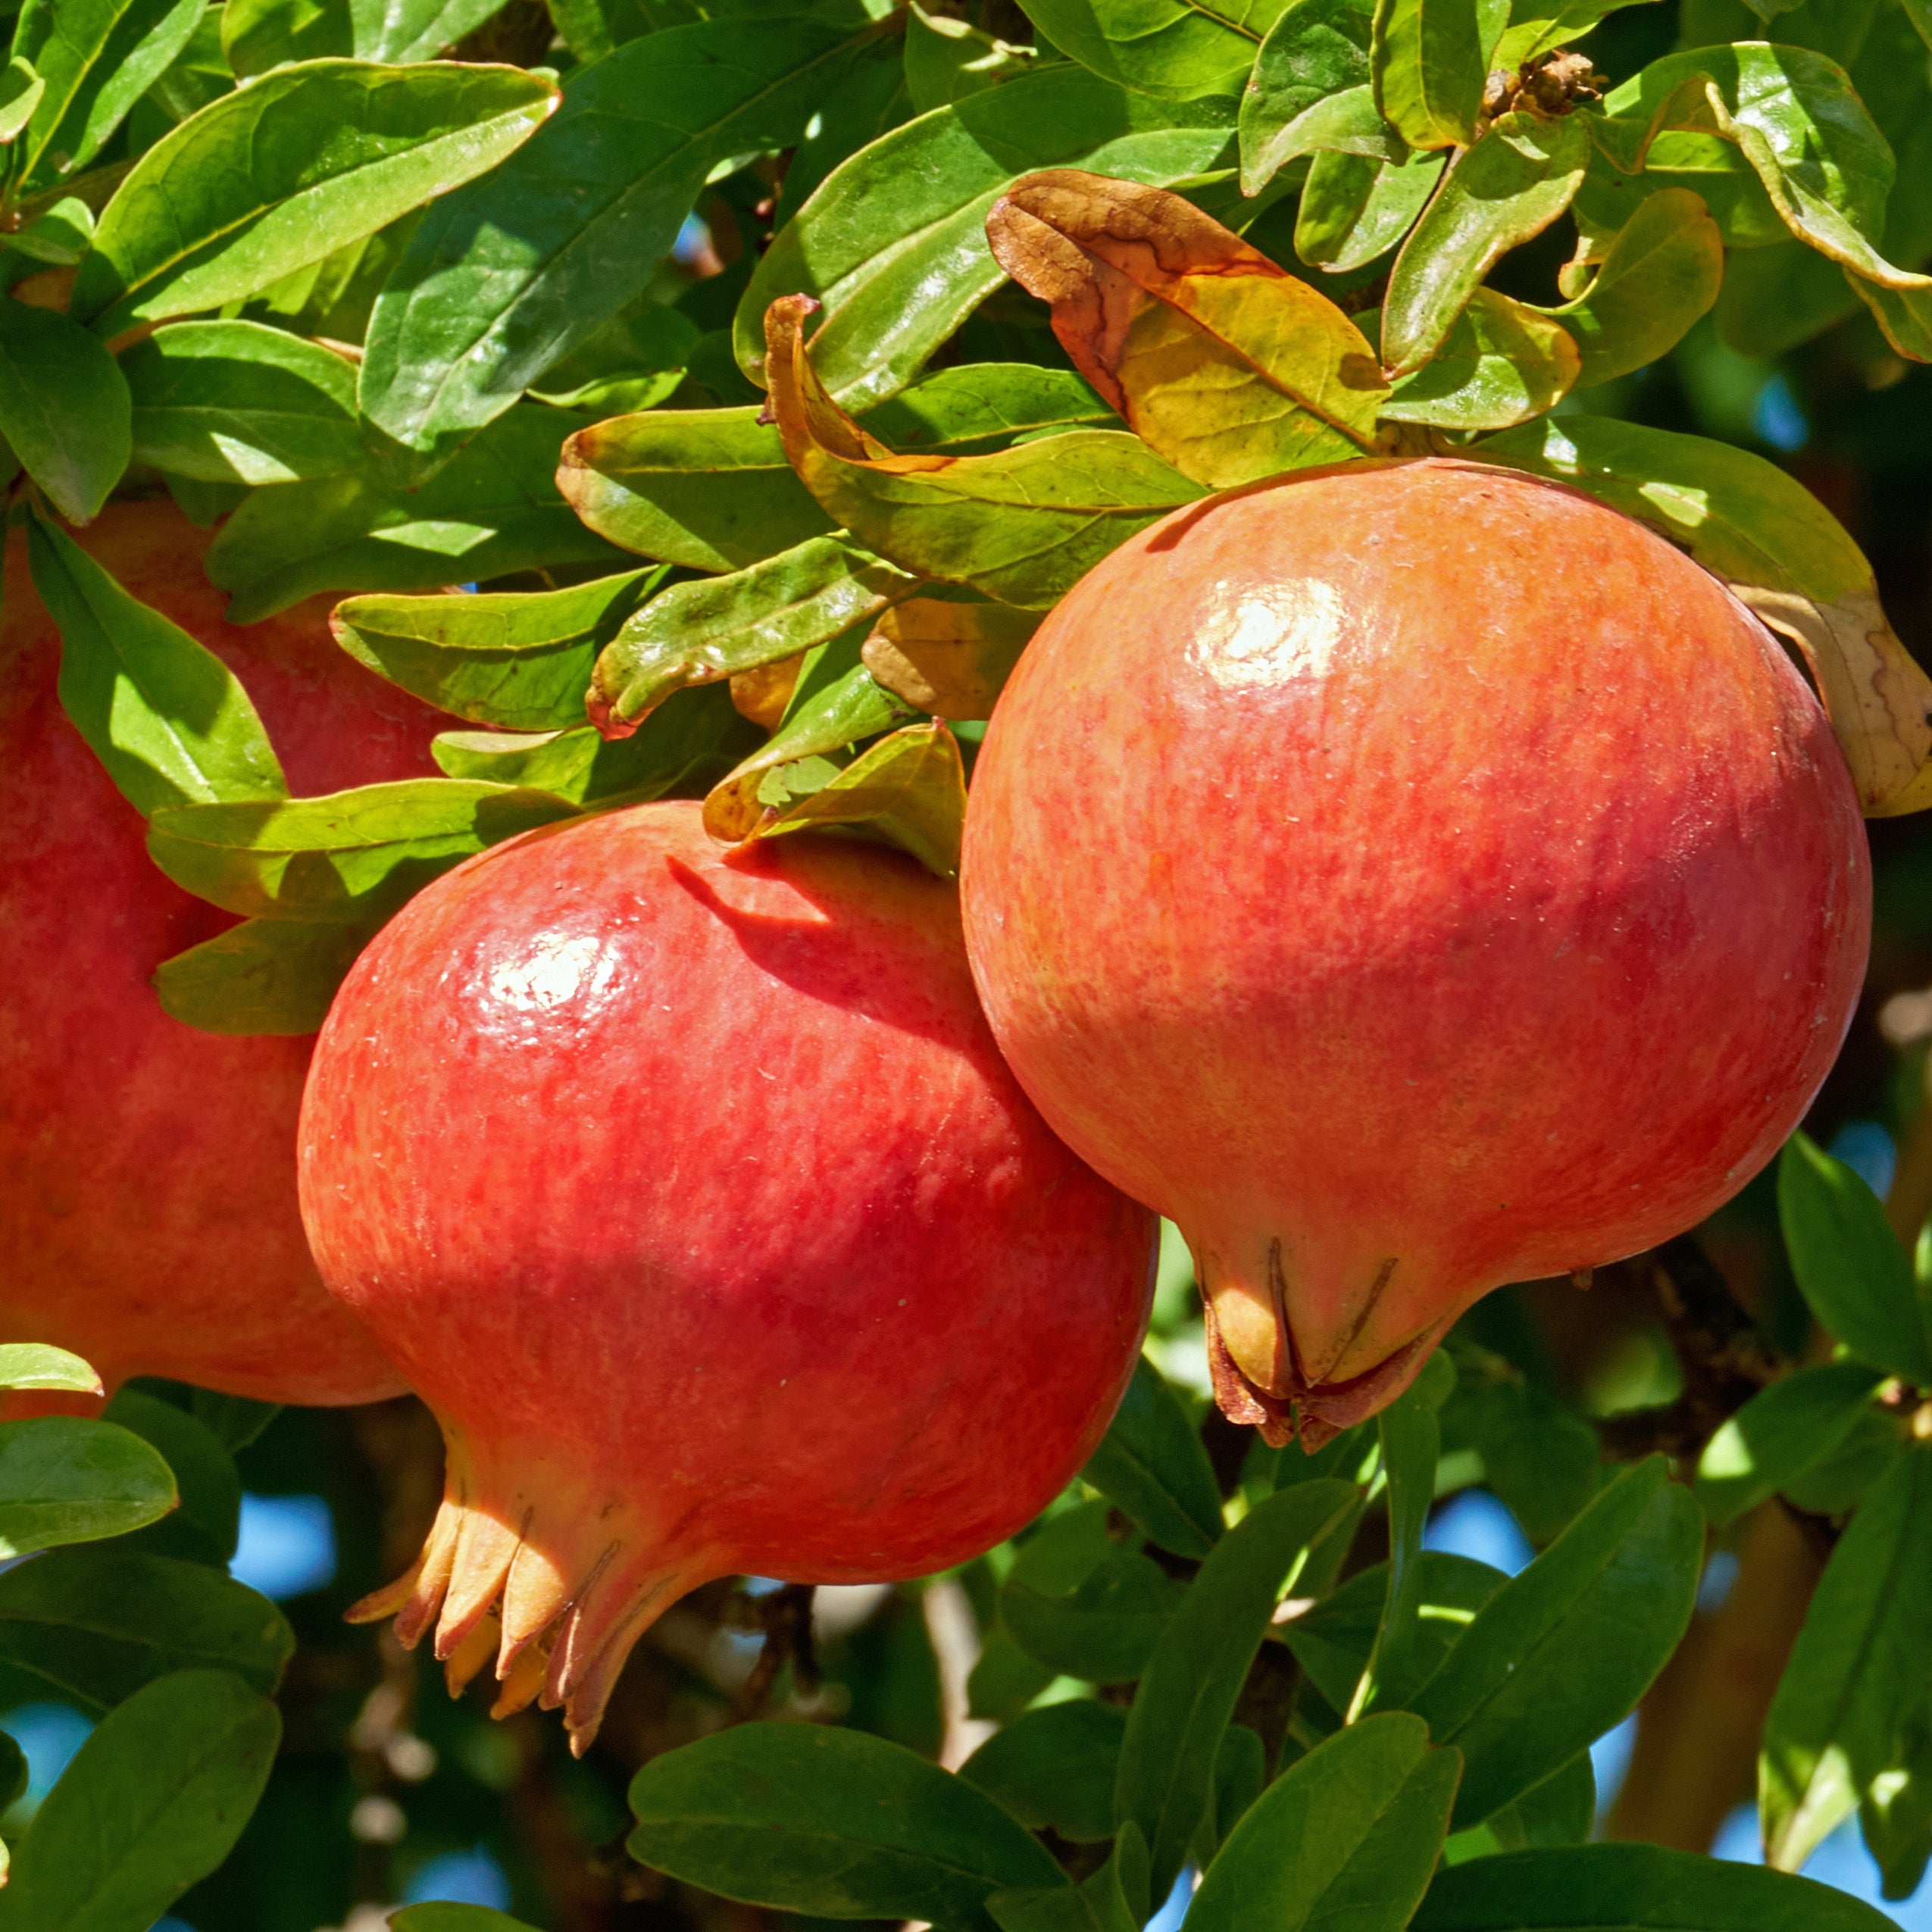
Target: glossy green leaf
[(63, 1479), (1780, 1433), (1502, 363), (1053, 1769), (1849, 1263), (207, 1526), (1412, 1443), (153, 1801), (59, 237), (982, 406), (21, 91), (1784, 554), (1152, 1464), (259, 35), (265, 975), (415, 30), (1660, 274), (707, 489), (283, 172), (1188, 1690), (1427, 67), (1563, 1650), (1903, 315), (1633, 1888), (239, 402), (1537, 27), (502, 280), (493, 510), (908, 789), (697, 633), (36, 1365), (1507, 188), (893, 243), (1834, 1725), (166, 717), (92, 1626), (947, 58), (1105, 1630), (63, 407), (802, 1818), (1355, 208), (1171, 48), (94, 59), (519, 659), (1022, 525), (1347, 1836), (636, 360), (351, 855), (1315, 50), (1841, 1480)]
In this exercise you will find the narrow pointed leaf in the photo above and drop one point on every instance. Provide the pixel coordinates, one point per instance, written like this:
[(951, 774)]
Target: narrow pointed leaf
[(1223, 362), (21, 91), (63, 407), (1315, 49), (400, 30), (1427, 67), (266, 180), (1504, 363), (63, 1479), (1507, 188), (265, 975), (1412, 1443), (1151, 1463), (1176, 49), (1780, 1432), (166, 717), (1748, 522)]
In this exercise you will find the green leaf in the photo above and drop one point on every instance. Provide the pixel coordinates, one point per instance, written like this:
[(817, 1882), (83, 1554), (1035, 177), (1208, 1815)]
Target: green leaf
[(1841, 1480), (63, 1479), (166, 717), (259, 35), (494, 510), (285, 171), (352, 856), (234, 1421), (893, 243), (801, 1817), (983, 406), (207, 1526), (1332, 1638), (707, 488), (946, 59), (1503, 363), (1150, 1463), (1427, 67), (402, 30), (60, 237), (505, 279), (21, 91), (1105, 1629), (697, 633), (1563, 1651), (1835, 1724), (1053, 1769), (265, 975), (1412, 1443), (1853, 1272), (1896, 1816), (239, 402), (153, 1801), (1560, 1811), (1784, 553), (63, 407), (1355, 208), (1347, 1836), (94, 59), (1538, 26), (636, 361), (1169, 49), (520, 659), (36, 1365), (1633, 1888), (1316, 49), (1777, 1435), (95, 1625), (1541, 1458), (1112, 1899), (1188, 1691), (1660, 274), (1507, 188)]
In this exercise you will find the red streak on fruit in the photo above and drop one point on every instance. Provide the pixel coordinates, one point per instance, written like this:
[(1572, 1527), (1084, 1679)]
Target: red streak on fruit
[(1409, 878), (690, 1191), (147, 1216)]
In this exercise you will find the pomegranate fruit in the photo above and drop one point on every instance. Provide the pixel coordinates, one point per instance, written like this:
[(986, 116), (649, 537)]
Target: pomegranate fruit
[(690, 1191), (147, 1213), (1409, 877)]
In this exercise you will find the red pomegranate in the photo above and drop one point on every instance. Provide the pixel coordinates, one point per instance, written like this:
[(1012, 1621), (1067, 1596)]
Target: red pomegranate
[(691, 1193), (148, 1214), (1409, 877)]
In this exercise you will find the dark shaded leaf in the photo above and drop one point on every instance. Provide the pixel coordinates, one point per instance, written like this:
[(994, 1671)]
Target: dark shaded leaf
[(63, 407), (1150, 1463), (63, 1479), (1779, 1434), (207, 1526), (1053, 1769)]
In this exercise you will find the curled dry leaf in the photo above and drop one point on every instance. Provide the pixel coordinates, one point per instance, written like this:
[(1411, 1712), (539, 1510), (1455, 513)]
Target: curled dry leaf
[(1229, 367), (950, 659)]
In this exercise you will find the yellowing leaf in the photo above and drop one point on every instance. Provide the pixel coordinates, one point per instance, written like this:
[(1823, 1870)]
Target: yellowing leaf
[(1227, 365), (948, 658)]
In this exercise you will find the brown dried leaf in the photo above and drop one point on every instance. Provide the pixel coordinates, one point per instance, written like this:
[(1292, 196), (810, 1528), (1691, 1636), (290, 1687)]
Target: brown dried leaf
[(948, 659)]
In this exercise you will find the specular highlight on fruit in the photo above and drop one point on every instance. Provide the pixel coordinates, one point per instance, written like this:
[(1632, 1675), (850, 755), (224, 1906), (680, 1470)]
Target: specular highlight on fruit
[(690, 1191), (1408, 878)]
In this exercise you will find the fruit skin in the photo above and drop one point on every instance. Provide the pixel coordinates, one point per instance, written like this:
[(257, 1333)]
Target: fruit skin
[(148, 1210), (1409, 877), (689, 1190)]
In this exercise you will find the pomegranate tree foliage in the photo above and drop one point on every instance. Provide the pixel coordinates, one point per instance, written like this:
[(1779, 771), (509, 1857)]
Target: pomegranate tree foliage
[(771, 368)]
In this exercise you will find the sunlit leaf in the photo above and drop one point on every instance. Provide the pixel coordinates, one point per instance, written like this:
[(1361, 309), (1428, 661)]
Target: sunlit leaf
[(1504, 362), (1778, 1434), (1355, 208), (1178, 49), (63, 1479), (1427, 67), (948, 656), (37, 1366), (265, 975), (1315, 50)]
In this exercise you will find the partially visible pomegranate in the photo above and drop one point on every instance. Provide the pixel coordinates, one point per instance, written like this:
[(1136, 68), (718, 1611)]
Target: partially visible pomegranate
[(691, 1193), (147, 1216), (1409, 877)]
